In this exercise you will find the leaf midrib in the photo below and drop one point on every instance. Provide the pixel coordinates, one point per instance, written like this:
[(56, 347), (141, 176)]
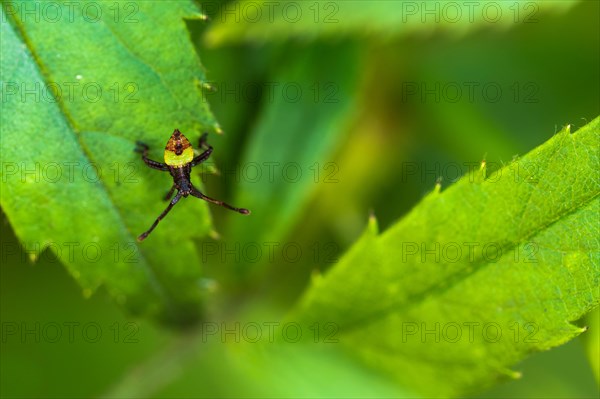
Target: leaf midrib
[(69, 121), (457, 277)]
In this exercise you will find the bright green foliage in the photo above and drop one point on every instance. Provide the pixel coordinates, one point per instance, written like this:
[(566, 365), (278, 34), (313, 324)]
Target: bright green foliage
[(392, 306), (250, 20), (91, 194), (498, 266)]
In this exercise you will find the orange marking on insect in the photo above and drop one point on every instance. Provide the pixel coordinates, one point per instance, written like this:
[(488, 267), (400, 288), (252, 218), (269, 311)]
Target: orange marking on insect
[(178, 150)]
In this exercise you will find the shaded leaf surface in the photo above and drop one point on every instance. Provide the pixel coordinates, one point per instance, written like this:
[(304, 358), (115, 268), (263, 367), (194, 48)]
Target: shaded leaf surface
[(291, 147), (249, 20)]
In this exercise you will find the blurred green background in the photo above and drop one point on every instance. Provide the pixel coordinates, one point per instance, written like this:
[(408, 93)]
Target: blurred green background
[(548, 73)]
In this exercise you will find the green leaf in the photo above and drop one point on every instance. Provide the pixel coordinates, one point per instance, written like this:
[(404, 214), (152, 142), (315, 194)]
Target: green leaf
[(72, 111), (289, 153), (592, 342), (265, 21), (473, 279)]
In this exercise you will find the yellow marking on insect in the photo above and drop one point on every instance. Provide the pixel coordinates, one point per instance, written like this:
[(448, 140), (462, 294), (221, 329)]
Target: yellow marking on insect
[(179, 151)]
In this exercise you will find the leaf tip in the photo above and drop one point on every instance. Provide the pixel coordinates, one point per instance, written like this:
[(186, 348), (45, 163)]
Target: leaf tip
[(438, 186), (483, 168), (513, 374), (372, 225), (197, 15), (516, 375), (580, 330), (207, 87), (571, 332), (34, 256), (565, 130)]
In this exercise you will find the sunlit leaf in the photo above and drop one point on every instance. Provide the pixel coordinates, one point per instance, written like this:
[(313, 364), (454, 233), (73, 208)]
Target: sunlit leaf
[(474, 278), (72, 111)]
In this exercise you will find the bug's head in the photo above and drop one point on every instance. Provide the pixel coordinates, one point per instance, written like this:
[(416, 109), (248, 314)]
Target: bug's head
[(178, 151)]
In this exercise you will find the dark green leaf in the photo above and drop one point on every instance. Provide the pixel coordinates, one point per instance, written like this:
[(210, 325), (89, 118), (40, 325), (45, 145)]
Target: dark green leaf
[(290, 151)]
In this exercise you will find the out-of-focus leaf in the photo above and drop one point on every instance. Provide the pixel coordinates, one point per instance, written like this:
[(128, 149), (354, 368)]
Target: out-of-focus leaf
[(288, 155), (72, 111), (266, 21), (475, 278), (592, 342)]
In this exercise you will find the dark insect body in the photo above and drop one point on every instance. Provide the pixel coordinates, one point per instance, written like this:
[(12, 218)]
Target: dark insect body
[(179, 161)]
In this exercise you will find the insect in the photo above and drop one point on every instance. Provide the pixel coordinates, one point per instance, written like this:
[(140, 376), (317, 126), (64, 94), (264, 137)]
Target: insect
[(179, 161)]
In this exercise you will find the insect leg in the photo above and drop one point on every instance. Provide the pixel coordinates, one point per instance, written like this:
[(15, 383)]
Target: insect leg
[(145, 234), (170, 193), (143, 149), (204, 156), (203, 141), (198, 194)]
